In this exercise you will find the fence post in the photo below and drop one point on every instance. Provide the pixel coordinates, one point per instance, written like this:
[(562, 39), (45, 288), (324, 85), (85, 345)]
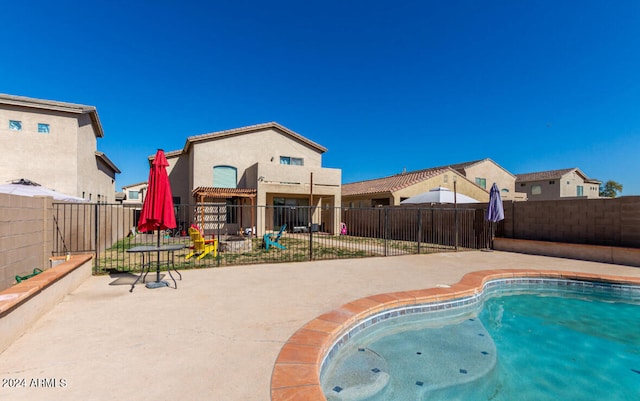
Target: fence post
[(217, 219), (385, 228), (96, 232), (419, 229), (311, 230)]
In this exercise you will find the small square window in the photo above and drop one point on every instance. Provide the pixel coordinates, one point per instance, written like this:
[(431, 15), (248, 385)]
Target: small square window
[(43, 128), (15, 125), (481, 182)]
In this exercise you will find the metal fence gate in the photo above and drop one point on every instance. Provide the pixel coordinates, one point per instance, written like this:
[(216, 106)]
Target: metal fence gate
[(306, 233)]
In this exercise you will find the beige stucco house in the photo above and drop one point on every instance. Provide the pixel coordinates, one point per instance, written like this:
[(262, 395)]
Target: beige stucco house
[(485, 172), (262, 165), (558, 184), (55, 144), (473, 179), (134, 194)]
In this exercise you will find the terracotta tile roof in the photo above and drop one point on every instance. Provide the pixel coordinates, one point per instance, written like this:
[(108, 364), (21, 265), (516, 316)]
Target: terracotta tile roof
[(392, 183), (546, 175)]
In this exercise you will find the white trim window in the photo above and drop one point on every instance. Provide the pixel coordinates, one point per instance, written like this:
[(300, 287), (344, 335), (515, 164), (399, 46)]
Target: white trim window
[(15, 125), (43, 128), (293, 161)]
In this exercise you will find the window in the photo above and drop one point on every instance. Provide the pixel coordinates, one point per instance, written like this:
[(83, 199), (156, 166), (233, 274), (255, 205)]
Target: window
[(232, 211), (536, 190), (15, 125), (552, 182), (504, 190), (43, 128), (294, 161), (523, 184), (580, 190), (481, 182), (134, 195), (225, 177)]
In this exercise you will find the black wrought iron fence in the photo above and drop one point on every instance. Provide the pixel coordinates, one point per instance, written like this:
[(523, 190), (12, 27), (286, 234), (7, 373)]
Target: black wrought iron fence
[(267, 234)]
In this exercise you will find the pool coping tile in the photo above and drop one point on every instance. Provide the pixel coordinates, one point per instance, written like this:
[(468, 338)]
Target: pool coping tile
[(296, 374), (298, 393)]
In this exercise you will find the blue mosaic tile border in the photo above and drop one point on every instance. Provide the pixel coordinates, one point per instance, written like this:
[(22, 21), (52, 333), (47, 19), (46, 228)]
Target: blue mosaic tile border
[(490, 288)]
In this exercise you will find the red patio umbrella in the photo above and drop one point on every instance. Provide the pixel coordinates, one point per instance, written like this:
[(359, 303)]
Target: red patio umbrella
[(157, 210)]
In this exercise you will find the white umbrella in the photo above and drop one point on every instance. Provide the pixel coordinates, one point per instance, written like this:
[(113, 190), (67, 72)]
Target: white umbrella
[(29, 188), (439, 195)]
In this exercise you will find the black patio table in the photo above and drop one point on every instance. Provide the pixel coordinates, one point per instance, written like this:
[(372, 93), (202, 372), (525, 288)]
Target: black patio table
[(147, 250)]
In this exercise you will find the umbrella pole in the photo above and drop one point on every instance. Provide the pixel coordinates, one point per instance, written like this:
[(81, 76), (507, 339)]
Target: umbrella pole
[(158, 260), (157, 283)]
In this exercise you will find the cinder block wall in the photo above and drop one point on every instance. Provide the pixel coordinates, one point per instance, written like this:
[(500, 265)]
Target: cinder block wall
[(25, 236), (613, 222)]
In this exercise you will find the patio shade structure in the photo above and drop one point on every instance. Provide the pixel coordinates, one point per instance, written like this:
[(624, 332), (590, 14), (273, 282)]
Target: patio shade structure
[(204, 194), (439, 195), (25, 187), (495, 210), (157, 210)]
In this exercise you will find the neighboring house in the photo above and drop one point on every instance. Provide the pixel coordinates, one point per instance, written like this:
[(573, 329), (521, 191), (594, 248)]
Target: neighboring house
[(485, 172), (55, 144), (390, 191), (473, 179), (558, 184), (259, 165), (134, 194)]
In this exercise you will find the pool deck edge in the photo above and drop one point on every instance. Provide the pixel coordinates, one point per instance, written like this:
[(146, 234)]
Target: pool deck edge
[(296, 373)]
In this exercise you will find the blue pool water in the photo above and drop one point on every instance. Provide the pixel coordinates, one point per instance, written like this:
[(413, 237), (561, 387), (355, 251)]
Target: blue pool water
[(526, 344)]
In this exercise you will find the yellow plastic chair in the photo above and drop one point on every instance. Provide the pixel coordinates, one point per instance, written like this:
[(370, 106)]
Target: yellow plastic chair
[(202, 247)]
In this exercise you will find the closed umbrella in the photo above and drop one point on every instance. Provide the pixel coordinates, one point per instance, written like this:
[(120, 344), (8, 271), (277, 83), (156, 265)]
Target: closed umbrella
[(157, 209), (495, 210)]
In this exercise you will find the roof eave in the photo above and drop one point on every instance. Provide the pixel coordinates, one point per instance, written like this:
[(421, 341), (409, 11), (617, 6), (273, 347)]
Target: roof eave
[(249, 129), (107, 161)]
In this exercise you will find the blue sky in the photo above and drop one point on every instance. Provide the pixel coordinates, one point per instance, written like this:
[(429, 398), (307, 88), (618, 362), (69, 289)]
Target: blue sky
[(384, 85)]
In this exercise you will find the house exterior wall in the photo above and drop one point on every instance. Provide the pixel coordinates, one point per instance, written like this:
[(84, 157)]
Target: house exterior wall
[(64, 159), (491, 172), (243, 151), (179, 178), (48, 159)]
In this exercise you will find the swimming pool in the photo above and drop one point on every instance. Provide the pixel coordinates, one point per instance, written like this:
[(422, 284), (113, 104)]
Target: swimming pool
[(519, 338)]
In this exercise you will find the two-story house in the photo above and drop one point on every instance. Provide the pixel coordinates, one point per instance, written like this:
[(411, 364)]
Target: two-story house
[(261, 165), (134, 194), (558, 184), (55, 144)]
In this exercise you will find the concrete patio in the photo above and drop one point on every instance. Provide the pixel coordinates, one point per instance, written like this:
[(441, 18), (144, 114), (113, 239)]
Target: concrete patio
[(218, 335)]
